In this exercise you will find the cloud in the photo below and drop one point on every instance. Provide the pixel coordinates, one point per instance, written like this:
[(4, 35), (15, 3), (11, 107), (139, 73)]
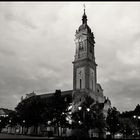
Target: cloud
[(37, 48), (14, 12), (24, 21), (6, 52), (130, 57)]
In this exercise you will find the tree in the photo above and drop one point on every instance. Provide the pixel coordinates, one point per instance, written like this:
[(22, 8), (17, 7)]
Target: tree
[(89, 116), (126, 126), (137, 110), (13, 119), (59, 109), (29, 112), (3, 122), (112, 121), (36, 110), (99, 121)]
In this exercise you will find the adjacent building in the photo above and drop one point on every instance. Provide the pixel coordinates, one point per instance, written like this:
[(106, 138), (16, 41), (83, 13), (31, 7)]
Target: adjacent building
[(4, 112)]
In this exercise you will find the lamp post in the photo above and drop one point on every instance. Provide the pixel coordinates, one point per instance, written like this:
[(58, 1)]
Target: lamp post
[(23, 123), (138, 123), (84, 113), (84, 110), (10, 125), (0, 125)]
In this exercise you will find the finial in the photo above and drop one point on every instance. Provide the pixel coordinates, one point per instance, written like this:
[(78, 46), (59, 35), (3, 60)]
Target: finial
[(84, 7), (84, 18)]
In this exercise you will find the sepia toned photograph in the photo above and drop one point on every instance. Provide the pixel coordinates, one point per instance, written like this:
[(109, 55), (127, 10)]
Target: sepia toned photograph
[(69, 70)]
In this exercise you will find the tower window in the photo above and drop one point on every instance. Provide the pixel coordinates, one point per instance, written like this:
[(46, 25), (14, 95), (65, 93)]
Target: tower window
[(80, 83), (90, 49), (80, 45)]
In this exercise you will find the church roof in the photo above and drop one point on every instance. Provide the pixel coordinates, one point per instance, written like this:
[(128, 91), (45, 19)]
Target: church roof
[(63, 93), (107, 101), (66, 95), (83, 27), (84, 23), (99, 86)]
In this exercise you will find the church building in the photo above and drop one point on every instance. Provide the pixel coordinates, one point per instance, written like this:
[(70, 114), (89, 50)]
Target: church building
[(84, 72)]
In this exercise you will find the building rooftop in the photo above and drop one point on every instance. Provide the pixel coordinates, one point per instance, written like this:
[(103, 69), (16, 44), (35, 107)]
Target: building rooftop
[(63, 93)]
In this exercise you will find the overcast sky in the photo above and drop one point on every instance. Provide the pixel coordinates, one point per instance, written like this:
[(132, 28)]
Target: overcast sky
[(37, 48)]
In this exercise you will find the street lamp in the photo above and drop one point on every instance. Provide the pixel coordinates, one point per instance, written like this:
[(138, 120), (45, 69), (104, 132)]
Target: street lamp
[(137, 120), (84, 110), (79, 107), (134, 116), (70, 113), (79, 122), (23, 126), (49, 122)]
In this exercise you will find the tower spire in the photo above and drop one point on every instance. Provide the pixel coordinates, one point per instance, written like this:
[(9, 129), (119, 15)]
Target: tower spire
[(84, 17), (84, 8)]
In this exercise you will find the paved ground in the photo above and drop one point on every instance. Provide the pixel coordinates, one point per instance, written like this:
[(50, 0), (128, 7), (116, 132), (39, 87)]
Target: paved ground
[(12, 136)]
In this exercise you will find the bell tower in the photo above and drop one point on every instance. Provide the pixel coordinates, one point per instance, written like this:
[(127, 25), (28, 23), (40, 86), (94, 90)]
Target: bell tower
[(84, 65)]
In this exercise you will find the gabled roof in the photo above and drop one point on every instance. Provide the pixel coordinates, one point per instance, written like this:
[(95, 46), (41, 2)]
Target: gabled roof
[(98, 85), (4, 111), (63, 93)]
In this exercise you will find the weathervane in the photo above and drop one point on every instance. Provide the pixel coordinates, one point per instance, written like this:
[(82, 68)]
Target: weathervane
[(84, 7)]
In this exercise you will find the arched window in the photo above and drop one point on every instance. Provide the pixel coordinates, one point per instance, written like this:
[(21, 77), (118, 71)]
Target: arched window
[(80, 83), (91, 49)]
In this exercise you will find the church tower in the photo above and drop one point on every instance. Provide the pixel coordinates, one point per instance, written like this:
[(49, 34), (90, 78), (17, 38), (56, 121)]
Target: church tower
[(84, 65)]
